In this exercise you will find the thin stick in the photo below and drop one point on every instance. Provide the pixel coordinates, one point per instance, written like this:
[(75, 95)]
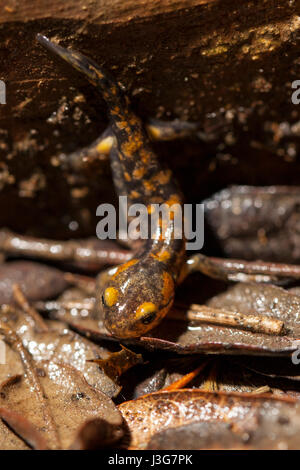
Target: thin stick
[(255, 323), (262, 389), (80, 251), (241, 270), (217, 316), (87, 284), (67, 305), (24, 304), (183, 381)]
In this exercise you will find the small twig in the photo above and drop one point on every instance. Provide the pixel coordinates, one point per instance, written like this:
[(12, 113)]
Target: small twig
[(87, 284), (216, 316), (67, 305), (24, 305), (183, 381), (262, 389), (241, 270), (78, 251), (259, 267)]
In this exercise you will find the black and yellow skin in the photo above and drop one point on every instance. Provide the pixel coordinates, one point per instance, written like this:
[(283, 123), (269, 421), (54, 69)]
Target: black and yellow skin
[(140, 292)]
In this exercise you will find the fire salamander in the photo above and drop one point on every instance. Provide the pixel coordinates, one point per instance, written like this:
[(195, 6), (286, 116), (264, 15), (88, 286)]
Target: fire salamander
[(141, 291)]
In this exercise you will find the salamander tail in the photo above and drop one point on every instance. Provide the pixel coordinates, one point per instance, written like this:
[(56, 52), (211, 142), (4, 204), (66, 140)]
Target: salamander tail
[(109, 89)]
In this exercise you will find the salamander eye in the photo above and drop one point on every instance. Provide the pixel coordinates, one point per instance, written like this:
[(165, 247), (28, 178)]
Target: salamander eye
[(146, 312), (148, 318)]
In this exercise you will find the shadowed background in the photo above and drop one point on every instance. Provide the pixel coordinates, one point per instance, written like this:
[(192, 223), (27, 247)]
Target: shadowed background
[(227, 64)]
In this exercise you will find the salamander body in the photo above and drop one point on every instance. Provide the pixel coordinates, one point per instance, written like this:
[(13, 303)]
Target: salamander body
[(140, 292)]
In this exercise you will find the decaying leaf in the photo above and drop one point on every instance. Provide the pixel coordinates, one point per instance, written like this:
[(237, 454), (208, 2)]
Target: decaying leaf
[(70, 402), (58, 344), (24, 428), (50, 404), (12, 365), (58, 401), (198, 436), (256, 222), (9, 440), (38, 281), (118, 362), (258, 420)]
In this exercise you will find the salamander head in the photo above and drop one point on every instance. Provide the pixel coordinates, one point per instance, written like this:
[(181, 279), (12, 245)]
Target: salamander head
[(138, 296)]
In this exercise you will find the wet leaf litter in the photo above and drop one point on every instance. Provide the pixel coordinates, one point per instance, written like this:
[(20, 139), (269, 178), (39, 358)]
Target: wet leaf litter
[(200, 378)]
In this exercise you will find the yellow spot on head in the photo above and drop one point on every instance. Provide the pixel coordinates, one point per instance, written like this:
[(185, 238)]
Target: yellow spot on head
[(145, 309), (111, 296)]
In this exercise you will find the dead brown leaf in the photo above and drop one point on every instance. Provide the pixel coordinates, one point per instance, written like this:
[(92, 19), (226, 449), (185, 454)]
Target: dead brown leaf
[(248, 415)]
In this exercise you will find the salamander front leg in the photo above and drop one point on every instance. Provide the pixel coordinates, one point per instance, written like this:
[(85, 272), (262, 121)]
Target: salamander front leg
[(83, 158), (99, 149)]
